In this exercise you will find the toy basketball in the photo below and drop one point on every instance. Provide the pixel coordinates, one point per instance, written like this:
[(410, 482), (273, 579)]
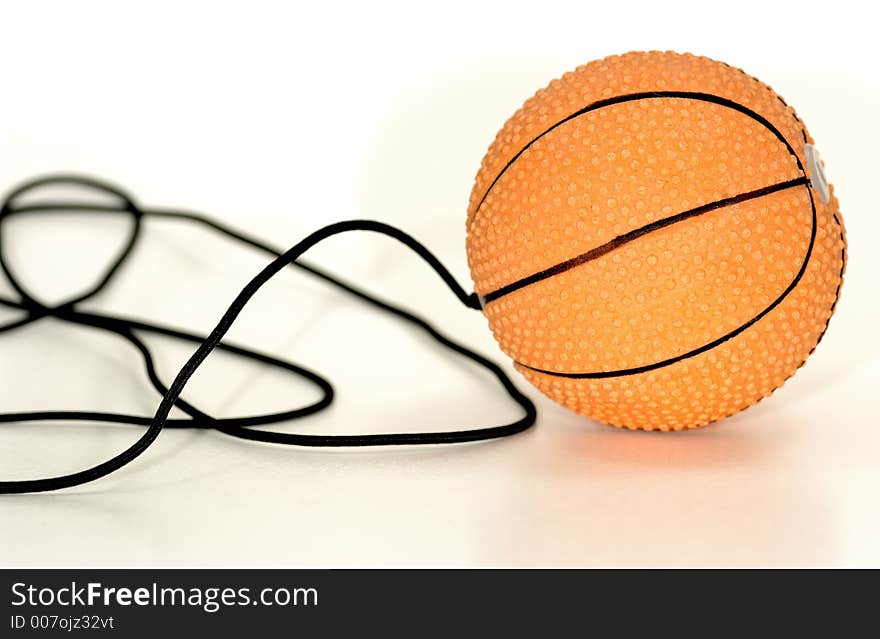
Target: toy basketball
[(651, 237), (653, 241)]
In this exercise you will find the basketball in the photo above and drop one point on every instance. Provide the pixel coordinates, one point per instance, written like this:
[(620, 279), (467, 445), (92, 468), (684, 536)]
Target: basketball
[(654, 242)]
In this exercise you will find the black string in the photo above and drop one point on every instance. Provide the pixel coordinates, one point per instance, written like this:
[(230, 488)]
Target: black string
[(127, 328)]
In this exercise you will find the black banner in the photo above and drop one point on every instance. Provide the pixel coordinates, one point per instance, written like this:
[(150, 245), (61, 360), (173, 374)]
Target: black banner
[(136, 603)]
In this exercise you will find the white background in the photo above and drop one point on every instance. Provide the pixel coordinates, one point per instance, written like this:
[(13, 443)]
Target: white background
[(280, 118)]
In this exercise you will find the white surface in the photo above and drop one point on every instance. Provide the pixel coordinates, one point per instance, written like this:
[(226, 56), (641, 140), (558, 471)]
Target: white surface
[(281, 120)]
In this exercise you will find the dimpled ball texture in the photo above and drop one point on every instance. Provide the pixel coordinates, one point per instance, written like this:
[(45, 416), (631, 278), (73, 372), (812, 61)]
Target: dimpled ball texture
[(656, 261)]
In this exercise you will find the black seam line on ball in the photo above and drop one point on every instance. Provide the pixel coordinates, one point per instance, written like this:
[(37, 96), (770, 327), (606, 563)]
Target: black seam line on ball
[(706, 347), (626, 238), (704, 97)]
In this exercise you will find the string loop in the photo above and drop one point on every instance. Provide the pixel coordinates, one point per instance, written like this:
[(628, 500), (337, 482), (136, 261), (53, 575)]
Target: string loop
[(241, 427)]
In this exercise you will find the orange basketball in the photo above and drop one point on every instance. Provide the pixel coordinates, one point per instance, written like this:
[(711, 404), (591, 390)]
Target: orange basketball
[(654, 242)]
